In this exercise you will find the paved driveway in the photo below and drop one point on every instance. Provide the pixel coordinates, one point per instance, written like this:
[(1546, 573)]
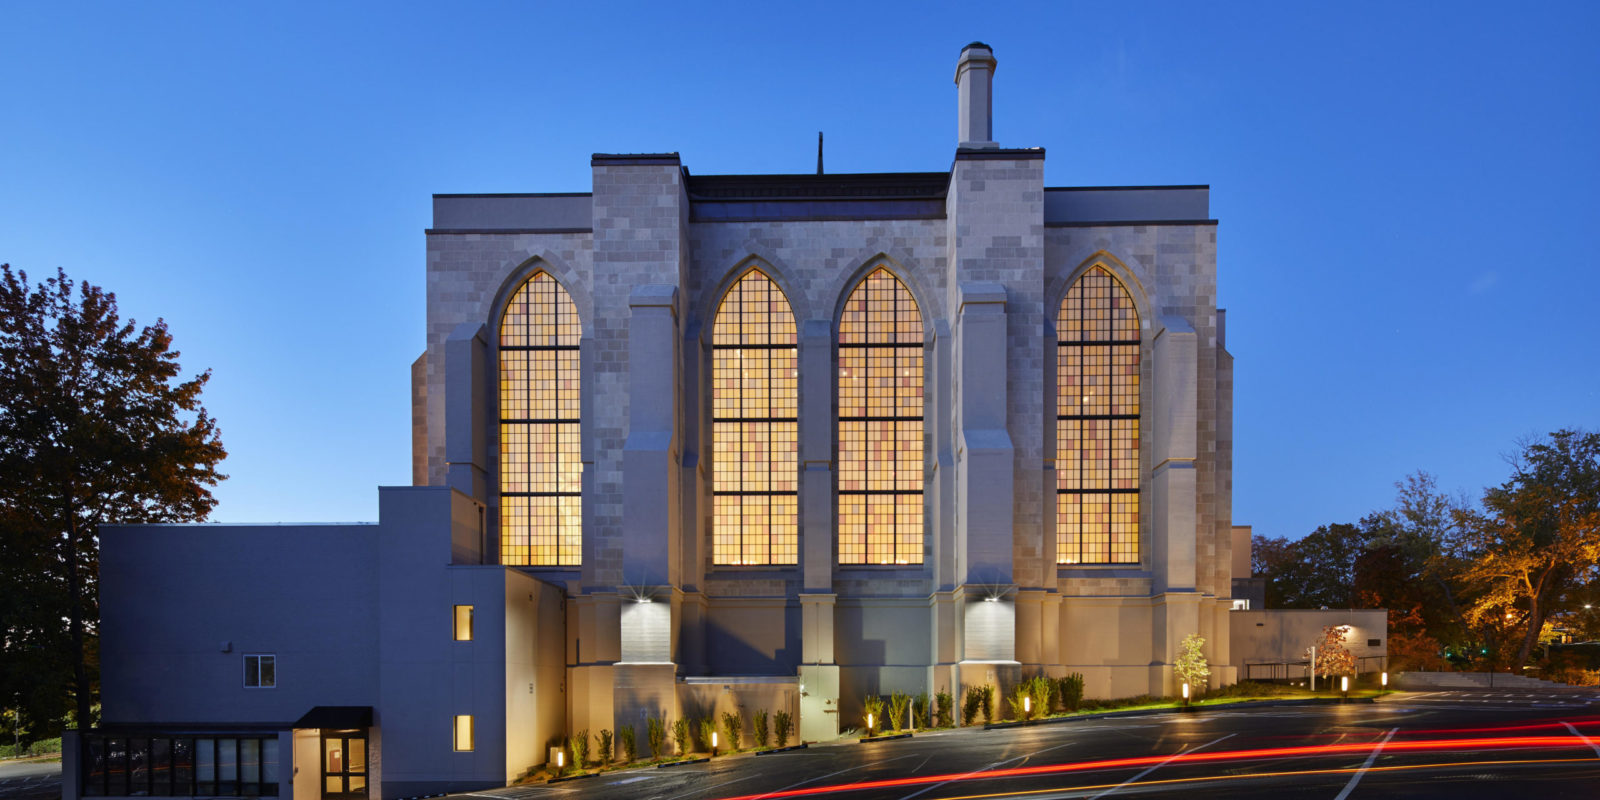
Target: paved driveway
[(30, 779)]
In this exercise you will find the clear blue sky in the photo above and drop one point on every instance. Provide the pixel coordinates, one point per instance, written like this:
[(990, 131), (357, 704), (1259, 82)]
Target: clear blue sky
[(1407, 192)]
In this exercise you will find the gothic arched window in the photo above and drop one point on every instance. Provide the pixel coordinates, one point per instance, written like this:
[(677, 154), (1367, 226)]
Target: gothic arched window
[(1097, 423), (880, 424), (541, 467), (755, 425)]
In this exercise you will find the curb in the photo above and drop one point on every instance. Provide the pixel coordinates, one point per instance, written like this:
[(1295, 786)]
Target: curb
[(573, 777), (1146, 712), (800, 746), (866, 739), (666, 764)]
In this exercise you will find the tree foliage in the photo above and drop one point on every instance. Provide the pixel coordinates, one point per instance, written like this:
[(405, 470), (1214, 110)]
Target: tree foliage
[(1191, 666), (96, 427), (1330, 657), (1537, 540)]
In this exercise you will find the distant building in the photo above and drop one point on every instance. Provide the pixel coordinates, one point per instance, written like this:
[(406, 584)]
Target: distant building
[(685, 443)]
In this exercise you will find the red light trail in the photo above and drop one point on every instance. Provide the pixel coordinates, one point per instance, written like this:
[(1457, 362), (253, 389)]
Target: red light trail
[(1392, 746)]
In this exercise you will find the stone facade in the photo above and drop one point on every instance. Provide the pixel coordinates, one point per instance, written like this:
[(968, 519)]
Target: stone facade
[(988, 252)]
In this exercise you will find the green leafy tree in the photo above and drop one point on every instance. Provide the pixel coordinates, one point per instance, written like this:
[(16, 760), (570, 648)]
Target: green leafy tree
[(680, 735), (762, 730), (872, 708), (1191, 666), (96, 427), (733, 726), (1538, 539), (630, 745)]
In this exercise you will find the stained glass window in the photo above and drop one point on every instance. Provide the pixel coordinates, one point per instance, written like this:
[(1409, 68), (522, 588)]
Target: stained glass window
[(1097, 423), (541, 467), (754, 418), (880, 424)]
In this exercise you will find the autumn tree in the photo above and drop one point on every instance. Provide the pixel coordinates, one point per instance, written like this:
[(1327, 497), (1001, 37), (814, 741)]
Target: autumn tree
[(96, 427), (1191, 665), (1330, 656), (1537, 541)]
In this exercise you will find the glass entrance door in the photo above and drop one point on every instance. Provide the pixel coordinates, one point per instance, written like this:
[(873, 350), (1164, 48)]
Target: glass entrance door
[(344, 764)]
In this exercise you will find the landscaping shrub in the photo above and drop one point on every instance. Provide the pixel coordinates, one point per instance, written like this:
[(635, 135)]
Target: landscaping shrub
[(708, 726), (945, 717), (971, 704), (656, 736), (1019, 693), (605, 752), (898, 704), (1071, 690), (578, 747), (630, 745), (785, 726), (872, 706), (680, 736), (988, 703), (733, 726), (762, 734)]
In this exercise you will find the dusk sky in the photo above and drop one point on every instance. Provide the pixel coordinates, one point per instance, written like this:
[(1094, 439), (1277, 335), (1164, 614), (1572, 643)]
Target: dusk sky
[(1407, 192)]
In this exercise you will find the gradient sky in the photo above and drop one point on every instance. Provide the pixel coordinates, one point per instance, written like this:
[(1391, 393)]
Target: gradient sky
[(1407, 192)]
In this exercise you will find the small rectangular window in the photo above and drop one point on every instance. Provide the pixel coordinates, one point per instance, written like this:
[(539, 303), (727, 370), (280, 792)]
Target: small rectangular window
[(1374, 642), (260, 670), (463, 623), (463, 732)]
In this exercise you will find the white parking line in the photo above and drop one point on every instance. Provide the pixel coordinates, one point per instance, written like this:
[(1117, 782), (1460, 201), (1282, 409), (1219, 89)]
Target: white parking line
[(1154, 768), (1586, 740), (1354, 779)]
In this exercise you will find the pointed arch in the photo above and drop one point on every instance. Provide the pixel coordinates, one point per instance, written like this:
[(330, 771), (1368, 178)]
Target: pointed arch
[(755, 425), (775, 271), (1098, 340), (541, 463), (880, 423), (925, 301)]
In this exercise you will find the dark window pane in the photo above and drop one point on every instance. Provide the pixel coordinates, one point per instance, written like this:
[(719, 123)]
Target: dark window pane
[(117, 767), (250, 760), (227, 762), (269, 671), (183, 766), (269, 763), (161, 767), (95, 766)]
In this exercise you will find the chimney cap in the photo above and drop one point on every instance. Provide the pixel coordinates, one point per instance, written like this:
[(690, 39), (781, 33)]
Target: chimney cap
[(976, 44)]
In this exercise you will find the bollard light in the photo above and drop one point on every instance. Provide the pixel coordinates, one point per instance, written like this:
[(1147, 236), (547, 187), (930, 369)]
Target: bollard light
[(561, 759), (869, 723), (1385, 680), (1344, 685), (713, 743), (1185, 693), (1027, 705)]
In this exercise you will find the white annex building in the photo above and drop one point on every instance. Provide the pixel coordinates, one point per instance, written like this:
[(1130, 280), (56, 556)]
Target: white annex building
[(689, 443)]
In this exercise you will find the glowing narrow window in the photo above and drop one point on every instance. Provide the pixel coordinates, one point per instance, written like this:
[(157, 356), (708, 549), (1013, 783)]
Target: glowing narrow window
[(463, 623), (463, 730), (541, 469), (1097, 423), (754, 426), (880, 424)]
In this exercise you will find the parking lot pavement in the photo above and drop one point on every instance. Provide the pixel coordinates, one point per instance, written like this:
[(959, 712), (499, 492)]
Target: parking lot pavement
[(31, 779)]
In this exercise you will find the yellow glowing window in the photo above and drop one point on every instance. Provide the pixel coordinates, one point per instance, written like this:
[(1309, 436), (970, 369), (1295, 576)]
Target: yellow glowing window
[(541, 467), (880, 424), (463, 731), (755, 445), (1097, 423), (463, 623)]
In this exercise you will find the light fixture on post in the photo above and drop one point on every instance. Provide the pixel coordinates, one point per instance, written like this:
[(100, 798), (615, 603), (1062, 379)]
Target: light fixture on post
[(713, 744), (1185, 694), (1384, 681), (1027, 707), (1344, 686)]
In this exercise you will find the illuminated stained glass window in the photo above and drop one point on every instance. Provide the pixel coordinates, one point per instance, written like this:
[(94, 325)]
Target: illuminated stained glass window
[(541, 468), (880, 424), (754, 420), (1097, 423)]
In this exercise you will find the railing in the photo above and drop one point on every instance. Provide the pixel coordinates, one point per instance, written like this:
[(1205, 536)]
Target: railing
[(1301, 670)]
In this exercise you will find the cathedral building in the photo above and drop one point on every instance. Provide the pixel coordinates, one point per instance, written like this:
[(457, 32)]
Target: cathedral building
[(690, 443)]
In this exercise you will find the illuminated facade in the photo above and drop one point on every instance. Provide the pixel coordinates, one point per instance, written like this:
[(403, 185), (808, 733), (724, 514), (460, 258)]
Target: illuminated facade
[(684, 442), (817, 418)]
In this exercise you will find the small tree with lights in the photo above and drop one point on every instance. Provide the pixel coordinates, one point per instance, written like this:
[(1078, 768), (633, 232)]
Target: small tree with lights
[(1332, 657), (1191, 666)]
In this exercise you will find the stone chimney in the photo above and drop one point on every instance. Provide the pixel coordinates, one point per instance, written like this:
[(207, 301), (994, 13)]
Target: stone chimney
[(975, 85)]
